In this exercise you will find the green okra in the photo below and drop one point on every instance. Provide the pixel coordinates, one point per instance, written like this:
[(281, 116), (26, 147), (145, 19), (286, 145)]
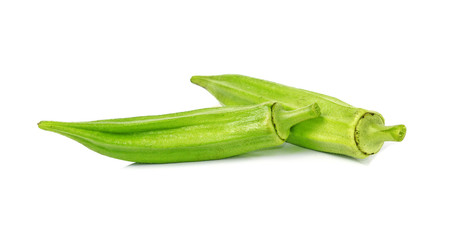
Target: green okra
[(341, 128), (197, 135)]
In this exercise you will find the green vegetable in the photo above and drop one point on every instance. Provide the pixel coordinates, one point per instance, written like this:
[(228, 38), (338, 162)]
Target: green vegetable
[(197, 135), (341, 128)]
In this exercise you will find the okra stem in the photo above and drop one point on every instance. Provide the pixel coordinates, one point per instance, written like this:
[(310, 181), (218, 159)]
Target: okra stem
[(371, 133), (284, 120), (387, 133)]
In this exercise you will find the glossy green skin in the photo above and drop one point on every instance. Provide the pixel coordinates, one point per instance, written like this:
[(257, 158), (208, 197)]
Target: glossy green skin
[(203, 134), (334, 131)]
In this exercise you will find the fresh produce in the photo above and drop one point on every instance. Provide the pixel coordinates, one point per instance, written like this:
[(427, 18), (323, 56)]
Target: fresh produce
[(203, 134), (341, 128)]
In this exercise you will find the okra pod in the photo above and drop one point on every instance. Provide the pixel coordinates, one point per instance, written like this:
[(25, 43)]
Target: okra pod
[(341, 128), (197, 135)]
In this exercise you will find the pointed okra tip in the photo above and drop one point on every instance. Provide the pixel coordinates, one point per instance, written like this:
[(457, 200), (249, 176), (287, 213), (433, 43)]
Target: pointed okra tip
[(194, 79), (284, 120), (205, 80), (49, 125), (199, 80), (42, 124)]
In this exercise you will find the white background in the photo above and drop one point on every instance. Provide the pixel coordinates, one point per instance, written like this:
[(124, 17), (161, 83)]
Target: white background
[(90, 60)]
